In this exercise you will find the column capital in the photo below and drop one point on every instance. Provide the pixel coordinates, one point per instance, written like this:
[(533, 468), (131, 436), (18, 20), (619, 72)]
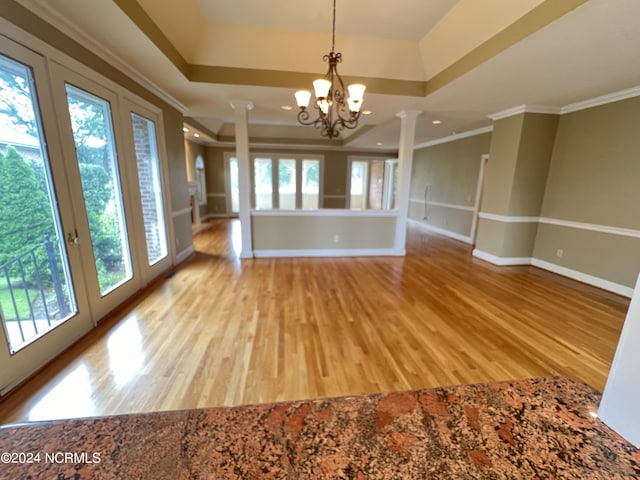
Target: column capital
[(241, 104), (409, 113)]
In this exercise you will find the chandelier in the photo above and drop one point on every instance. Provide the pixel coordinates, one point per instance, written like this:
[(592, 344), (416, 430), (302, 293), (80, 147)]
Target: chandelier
[(335, 111)]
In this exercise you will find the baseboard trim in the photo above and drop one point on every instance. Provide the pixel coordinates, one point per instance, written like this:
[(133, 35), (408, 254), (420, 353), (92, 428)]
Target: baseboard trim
[(501, 261), (355, 252), (184, 254), (584, 278), (592, 280), (440, 231)]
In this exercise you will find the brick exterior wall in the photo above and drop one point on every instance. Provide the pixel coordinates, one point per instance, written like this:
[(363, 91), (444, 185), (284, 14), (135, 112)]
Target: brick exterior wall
[(144, 139)]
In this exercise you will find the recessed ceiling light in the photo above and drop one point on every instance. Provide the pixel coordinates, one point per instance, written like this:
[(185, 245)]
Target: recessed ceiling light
[(367, 112), (197, 135), (185, 129), (286, 107), (379, 144), (436, 122)]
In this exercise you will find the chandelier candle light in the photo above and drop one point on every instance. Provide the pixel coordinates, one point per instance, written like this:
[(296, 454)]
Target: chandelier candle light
[(335, 111)]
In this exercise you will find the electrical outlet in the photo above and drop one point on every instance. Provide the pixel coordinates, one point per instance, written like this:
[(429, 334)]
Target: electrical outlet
[(336, 238), (559, 252)]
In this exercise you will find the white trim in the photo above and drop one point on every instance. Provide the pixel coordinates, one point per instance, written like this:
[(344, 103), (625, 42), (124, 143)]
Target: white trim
[(324, 212), (507, 218), (572, 107), (501, 261), (584, 278), (53, 18), (216, 195), (510, 112), (335, 196), (177, 213), (484, 158), (558, 269), (454, 137), (592, 227), (355, 252), (184, 254), (468, 208), (602, 100), (433, 229), (625, 232)]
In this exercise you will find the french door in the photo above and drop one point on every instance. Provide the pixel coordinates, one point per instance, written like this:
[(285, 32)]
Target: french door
[(93, 148), (43, 302), (83, 224)]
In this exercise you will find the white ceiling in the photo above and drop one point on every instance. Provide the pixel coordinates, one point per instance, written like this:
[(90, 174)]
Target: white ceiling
[(589, 52)]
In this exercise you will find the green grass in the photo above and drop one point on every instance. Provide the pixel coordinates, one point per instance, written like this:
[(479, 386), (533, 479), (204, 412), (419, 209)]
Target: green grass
[(22, 303)]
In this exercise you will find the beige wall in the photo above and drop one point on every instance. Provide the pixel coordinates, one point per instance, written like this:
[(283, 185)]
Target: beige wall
[(500, 169), (451, 171), (594, 178), (514, 184), (564, 192), (323, 232), (532, 166), (595, 171)]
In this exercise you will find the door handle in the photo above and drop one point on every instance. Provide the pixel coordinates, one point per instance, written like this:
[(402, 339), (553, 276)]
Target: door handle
[(72, 237)]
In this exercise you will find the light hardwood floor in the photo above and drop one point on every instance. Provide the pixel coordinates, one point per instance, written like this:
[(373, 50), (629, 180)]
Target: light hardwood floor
[(221, 331)]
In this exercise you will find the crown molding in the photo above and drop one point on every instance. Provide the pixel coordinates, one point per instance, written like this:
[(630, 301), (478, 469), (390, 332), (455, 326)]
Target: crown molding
[(52, 17), (454, 137), (572, 107), (602, 100), (510, 112)]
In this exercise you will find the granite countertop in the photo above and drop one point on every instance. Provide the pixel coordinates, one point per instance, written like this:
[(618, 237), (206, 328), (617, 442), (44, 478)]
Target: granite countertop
[(530, 429)]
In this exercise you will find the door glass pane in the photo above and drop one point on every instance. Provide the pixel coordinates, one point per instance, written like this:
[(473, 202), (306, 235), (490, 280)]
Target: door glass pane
[(390, 184), (235, 185), (287, 183), (36, 293), (310, 183), (144, 140), (91, 122), (376, 182), (358, 187), (263, 183)]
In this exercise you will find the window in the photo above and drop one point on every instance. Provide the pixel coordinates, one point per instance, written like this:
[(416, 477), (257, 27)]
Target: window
[(310, 184), (36, 292), (149, 182), (263, 183), (285, 182), (92, 127), (373, 183), (201, 189)]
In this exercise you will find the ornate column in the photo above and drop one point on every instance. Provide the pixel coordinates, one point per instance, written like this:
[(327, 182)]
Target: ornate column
[(405, 163), (241, 108)]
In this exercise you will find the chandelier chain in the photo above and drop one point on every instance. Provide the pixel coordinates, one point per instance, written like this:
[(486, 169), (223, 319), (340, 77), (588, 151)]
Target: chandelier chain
[(333, 36)]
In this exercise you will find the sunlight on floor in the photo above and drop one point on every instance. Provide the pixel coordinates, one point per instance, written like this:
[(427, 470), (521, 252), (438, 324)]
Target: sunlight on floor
[(72, 397), (126, 353), (236, 237)]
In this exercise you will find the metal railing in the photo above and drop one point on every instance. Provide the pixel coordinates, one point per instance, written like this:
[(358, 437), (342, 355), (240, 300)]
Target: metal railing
[(36, 298)]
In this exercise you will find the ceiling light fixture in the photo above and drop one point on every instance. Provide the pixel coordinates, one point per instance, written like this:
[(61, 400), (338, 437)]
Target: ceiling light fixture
[(335, 111)]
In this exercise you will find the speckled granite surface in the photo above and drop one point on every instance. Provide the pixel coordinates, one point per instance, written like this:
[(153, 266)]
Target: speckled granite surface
[(532, 429)]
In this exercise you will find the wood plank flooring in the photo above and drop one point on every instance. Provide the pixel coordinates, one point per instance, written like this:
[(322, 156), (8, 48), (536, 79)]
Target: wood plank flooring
[(221, 331)]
